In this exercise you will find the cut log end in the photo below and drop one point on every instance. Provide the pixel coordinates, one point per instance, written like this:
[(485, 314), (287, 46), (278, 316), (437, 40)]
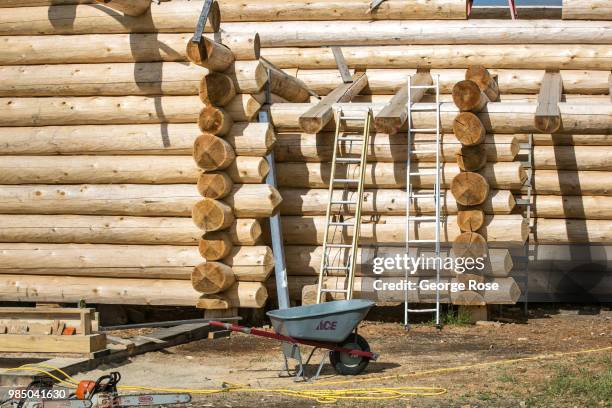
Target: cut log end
[(216, 89), (212, 277), (214, 120), (212, 153), (470, 220), (468, 129), (388, 125), (311, 125), (470, 188), (471, 158), (214, 185), (470, 245), (212, 215), (210, 54), (468, 96), (215, 245), (485, 81)]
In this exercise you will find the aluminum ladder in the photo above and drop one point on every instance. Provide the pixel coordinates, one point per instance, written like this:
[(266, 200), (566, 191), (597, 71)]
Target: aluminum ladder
[(338, 208), (435, 195)]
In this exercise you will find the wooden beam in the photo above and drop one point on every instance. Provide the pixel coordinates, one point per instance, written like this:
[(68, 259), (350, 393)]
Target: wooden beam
[(128, 7), (395, 114), (548, 115), (319, 115), (52, 344)]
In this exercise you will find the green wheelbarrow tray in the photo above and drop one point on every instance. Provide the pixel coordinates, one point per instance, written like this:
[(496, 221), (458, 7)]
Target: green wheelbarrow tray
[(331, 322)]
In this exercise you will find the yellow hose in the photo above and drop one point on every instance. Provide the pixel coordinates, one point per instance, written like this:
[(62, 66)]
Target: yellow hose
[(326, 396)]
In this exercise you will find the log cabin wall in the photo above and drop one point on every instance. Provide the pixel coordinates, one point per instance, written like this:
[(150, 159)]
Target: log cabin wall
[(100, 114)]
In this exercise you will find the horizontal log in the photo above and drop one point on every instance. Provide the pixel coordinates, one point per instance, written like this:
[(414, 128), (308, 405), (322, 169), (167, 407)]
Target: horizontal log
[(97, 170), (508, 292), (240, 294), (507, 98), (503, 175), (254, 200), (98, 229), (35, 3), (499, 230), (306, 261), (171, 200), (210, 54), (111, 261), (573, 253), (153, 78), (212, 153), (587, 10), (73, 289), (250, 263), (567, 140), (140, 139), (579, 207), (112, 48), (212, 277), (251, 139), (511, 81), (567, 182), (568, 231), (98, 110), (572, 158), (309, 147), (214, 185), (248, 170), (497, 117), (253, 10), (537, 12), (370, 33), (84, 19), (387, 202), (523, 56)]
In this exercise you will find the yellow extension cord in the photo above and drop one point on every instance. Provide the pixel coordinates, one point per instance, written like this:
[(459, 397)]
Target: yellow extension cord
[(328, 396)]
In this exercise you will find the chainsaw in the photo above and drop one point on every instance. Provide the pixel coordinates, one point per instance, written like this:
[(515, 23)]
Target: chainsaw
[(101, 393)]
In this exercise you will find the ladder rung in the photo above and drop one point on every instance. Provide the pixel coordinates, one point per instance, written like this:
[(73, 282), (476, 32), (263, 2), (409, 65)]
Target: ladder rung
[(335, 290), (348, 159), (423, 151), (337, 268), (339, 246), (424, 130), (416, 173), (341, 224), (421, 241), (421, 310), (424, 109), (345, 180), (422, 196), (350, 139), (423, 218), (340, 202)]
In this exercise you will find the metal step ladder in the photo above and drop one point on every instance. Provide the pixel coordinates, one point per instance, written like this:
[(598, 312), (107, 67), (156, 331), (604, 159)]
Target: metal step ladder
[(412, 220), (338, 214)]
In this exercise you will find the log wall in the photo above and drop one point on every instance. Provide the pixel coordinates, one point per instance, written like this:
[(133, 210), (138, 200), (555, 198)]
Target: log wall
[(119, 142)]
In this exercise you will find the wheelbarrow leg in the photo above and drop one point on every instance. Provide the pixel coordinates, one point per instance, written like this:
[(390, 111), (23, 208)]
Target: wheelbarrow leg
[(292, 351)]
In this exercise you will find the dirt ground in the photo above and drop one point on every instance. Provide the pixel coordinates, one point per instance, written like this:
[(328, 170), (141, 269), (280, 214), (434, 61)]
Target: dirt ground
[(582, 380)]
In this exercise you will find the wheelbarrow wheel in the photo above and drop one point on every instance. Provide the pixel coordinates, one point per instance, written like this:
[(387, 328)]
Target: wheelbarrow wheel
[(344, 363)]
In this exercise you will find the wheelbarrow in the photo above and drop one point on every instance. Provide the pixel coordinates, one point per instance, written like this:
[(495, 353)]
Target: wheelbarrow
[(329, 325)]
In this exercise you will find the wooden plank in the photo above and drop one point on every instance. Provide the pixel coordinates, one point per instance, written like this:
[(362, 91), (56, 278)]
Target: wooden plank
[(394, 115), (52, 344), (548, 115), (319, 115)]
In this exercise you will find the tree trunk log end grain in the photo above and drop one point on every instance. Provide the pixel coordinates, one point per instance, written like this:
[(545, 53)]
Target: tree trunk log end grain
[(214, 185), (485, 81), (212, 277), (470, 220), (468, 96), (214, 246), (212, 153), (470, 245), (470, 188), (214, 120), (311, 125), (388, 125), (216, 89), (469, 129), (210, 54), (471, 158), (212, 215)]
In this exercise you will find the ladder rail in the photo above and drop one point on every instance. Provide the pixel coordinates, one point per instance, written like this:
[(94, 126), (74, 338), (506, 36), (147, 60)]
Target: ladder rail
[(324, 258), (437, 194), (360, 188)]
